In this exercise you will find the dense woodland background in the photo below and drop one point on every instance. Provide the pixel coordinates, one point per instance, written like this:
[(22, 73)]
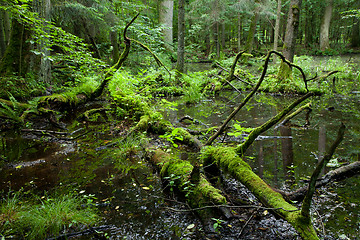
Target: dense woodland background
[(30, 44)]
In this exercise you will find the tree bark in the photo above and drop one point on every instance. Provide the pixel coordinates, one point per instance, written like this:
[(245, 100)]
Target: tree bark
[(292, 29), (166, 20), (17, 54), (277, 28), (2, 34), (180, 66), (252, 30), (325, 26)]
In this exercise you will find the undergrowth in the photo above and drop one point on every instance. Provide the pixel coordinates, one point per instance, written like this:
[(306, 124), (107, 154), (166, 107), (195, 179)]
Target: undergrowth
[(44, 217)]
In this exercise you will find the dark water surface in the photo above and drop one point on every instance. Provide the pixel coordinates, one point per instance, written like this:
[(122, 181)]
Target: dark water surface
[(131, 197)]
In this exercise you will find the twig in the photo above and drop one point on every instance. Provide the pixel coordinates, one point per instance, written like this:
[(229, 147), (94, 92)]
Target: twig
[(217, 64), (247, 222)]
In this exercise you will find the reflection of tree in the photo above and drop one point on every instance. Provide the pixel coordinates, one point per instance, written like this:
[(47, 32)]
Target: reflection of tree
[(287, 153), (322, 144)]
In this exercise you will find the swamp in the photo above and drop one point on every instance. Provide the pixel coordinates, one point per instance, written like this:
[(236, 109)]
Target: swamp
[(113, 128)]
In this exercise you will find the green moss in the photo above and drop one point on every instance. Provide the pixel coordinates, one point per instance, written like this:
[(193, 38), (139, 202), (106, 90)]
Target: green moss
[(227, 159)]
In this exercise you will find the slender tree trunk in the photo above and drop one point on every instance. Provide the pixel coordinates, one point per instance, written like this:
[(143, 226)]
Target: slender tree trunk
[(2, 33), (239, 32), (217, 40), (325, 26), (17, 54), (115, 44), (355, 34), (223, 36), (250, 37), (40, 64), (181, 38), (166, 19), (277, 27), (292, 28)]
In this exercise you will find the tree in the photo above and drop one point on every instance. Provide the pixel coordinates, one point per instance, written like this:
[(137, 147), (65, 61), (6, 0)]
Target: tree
[(325, 26), (277, 26), (166, 20), (181, 38), (291, 33), (42, 63)]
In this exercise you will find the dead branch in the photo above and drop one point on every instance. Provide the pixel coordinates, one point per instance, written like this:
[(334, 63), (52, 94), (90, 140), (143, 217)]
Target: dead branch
[(305, 210), (335, 175), (294, 114), (274, 120)]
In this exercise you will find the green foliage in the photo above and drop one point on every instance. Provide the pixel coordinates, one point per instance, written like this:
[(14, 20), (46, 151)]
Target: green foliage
[(126, 150), (174, 135), (45, 217), (239, 130), (193, 86), (10, 113)]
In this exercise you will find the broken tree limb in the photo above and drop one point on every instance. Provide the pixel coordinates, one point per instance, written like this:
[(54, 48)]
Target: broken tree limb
[(249, 96), (242, 104), (108, 75), (294, 114), (274, 120), (157, 59), (193, 184), (227, 159), (305, 210), (217, 64)]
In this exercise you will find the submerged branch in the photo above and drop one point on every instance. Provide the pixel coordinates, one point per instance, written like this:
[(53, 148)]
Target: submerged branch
[(305, 210)]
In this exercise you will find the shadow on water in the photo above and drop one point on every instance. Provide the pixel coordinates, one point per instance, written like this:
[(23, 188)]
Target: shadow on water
[(131, 198)]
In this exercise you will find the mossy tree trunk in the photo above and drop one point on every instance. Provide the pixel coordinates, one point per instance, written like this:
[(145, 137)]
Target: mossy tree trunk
[(291, 33)]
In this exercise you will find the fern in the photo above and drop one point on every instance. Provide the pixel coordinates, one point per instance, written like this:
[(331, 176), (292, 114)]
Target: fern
[(10, 112)]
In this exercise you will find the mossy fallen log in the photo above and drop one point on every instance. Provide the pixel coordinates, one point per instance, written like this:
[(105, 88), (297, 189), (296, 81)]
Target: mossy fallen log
[(227, 159), (193, 184)]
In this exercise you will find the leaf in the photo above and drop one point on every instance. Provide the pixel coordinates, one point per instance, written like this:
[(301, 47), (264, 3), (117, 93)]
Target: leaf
[(191, 226)]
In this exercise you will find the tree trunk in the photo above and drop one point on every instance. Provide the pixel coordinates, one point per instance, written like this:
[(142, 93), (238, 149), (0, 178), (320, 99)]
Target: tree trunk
[(2, 33), (250, 37), (277, 27), (325, 26), (43, 8), (115, 44), (17, 54), (181, 38), (239, 32), (292, 28), (223, 36), (166, 20), (355, 36)]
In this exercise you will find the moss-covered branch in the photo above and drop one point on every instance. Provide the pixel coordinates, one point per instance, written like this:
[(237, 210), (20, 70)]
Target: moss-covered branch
[(228, 160), (242, 104), (198, 191), (274, 120), (294, 114), (108, 75)]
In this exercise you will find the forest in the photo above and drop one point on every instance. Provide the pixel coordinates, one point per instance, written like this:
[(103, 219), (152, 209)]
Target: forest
[(185, 119)]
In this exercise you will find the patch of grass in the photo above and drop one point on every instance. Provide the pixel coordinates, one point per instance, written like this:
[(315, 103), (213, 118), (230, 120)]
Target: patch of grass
[(42, 218)]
